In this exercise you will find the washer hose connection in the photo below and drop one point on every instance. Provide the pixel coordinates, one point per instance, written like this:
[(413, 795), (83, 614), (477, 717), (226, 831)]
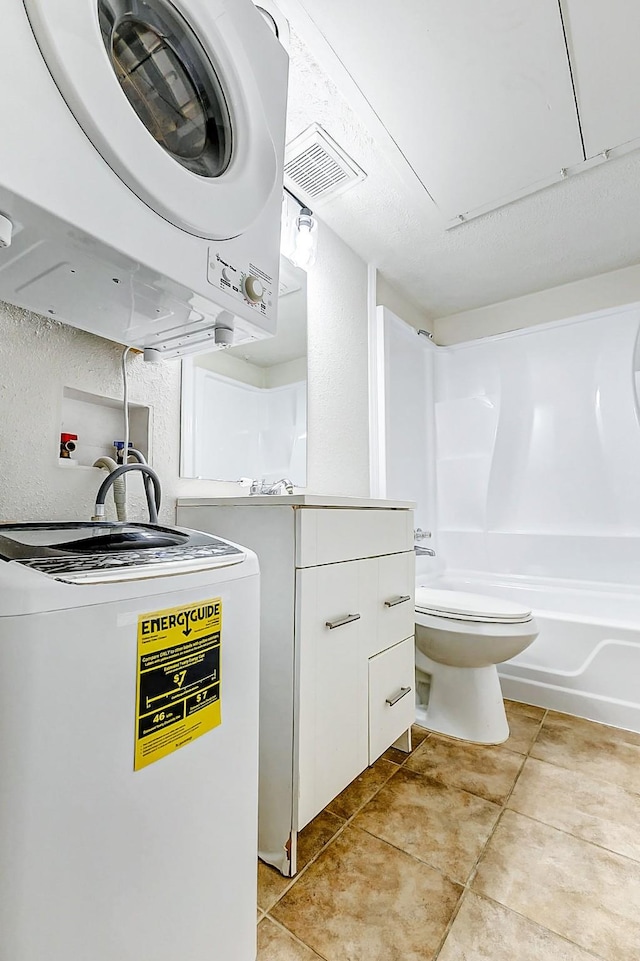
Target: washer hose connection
[(153, 502)]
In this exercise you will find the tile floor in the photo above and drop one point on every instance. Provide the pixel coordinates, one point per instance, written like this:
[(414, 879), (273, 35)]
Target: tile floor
[(527, 851)]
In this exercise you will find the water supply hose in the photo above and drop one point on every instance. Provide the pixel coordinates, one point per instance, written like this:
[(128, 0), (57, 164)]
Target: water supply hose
[(119, 492)]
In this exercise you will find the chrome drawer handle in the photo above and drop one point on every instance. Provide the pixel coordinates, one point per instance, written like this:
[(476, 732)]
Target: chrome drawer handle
[(397, 697), (400, 599), (349, 619)]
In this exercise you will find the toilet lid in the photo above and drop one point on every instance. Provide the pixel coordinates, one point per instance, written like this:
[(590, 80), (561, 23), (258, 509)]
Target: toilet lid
[(470, 607)]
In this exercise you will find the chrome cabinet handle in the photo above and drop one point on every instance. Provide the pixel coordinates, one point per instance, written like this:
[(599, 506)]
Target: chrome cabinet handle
[(349, 619), (397, 697), (400, 599)]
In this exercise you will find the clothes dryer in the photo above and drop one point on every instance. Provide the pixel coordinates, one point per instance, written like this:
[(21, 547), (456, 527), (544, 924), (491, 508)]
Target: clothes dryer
[(128, 744), (141, 167)]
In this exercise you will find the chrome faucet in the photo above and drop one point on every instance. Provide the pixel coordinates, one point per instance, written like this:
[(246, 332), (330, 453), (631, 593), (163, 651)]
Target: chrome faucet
[(420, 535), (282, 486)]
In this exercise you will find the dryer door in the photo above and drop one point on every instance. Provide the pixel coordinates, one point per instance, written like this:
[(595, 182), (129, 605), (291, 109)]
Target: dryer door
[(166, 92)]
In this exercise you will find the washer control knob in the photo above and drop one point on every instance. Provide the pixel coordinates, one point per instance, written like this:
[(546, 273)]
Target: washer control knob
[(253, 289), (226, 275)]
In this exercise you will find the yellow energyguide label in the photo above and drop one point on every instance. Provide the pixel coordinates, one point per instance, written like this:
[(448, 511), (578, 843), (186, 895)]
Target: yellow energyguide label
[(178, 678)]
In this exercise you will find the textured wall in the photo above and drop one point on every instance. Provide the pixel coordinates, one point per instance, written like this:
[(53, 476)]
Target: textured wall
[(39, 357), (337, 338)]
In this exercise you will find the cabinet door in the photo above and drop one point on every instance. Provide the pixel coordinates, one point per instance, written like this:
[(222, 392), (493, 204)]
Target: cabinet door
[(391, 696), (395, 604), (332, 737)]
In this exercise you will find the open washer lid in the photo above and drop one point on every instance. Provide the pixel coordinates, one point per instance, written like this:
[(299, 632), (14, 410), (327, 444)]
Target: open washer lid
[(470, 607)]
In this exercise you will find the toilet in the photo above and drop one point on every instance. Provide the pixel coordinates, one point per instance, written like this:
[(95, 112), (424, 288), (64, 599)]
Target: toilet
[(460, 640)]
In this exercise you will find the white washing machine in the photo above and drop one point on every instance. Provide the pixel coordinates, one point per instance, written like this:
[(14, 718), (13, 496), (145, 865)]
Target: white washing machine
[(141, 165), (128, 744)]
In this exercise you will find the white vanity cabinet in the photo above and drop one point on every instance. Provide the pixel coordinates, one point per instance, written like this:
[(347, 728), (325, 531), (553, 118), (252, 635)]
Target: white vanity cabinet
[(337, 655)]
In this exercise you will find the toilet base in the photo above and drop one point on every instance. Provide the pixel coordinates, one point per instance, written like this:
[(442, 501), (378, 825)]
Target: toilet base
[(464, 702)]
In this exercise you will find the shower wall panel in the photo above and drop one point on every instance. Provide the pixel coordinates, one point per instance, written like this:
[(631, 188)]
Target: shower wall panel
[(538, 450)]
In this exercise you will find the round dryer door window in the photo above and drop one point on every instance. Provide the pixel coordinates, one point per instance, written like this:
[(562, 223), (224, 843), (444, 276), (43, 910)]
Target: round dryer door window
[(184, 100), (169, 81)]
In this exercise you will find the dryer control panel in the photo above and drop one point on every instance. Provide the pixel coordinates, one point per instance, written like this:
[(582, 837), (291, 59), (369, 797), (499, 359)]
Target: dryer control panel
[(246, 282)]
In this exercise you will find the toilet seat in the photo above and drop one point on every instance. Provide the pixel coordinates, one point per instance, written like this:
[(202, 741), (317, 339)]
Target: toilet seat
[(461, 606)]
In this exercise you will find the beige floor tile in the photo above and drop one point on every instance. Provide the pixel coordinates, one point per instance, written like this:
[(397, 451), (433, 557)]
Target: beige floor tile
[(580, 891), (593, 749), (488, 771), (523, 731), (362, 789), (363, 900), (443, 826), (271, 885), (588, 808), (315, 835), (418, 734), (485, 931), (274, 944), (529, 710)]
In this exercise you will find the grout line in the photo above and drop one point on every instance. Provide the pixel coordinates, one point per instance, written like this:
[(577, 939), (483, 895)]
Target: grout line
[(282, 927), (368, 800), (471, 877), (576, 837), (348, 822), (574, 944)]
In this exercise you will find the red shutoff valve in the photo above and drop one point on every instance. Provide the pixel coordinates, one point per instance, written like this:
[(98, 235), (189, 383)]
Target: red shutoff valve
[(67, 444)]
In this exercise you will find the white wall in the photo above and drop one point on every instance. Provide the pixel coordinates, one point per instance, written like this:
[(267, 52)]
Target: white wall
[(400, 305), (39, 357), (595, 293), (338, 385), (221, 362), (291, 372)]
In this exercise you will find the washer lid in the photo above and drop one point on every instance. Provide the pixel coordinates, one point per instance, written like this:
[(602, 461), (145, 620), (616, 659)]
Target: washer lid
[(470, 607), (97, 553)]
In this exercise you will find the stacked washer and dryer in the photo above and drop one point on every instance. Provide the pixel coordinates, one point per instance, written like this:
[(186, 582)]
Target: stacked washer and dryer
[(140, 195), (141, 166)]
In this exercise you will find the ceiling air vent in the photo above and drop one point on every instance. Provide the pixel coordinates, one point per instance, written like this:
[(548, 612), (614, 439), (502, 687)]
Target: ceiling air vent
[(315, 167)]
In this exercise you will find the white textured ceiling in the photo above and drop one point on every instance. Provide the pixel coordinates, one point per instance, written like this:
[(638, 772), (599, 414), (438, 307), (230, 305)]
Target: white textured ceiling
[(585, 225)]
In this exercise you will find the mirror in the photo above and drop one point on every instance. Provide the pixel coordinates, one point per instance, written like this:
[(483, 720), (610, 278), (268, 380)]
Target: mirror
[(244, 408)]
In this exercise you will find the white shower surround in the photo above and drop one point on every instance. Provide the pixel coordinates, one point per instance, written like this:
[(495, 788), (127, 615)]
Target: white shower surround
[(537, 471)]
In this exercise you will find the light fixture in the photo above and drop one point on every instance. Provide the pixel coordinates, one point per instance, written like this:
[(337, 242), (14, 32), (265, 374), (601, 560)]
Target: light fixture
[(300, 234), (306, 240)]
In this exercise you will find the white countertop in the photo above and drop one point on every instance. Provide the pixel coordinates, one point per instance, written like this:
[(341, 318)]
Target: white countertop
[(295, 500)]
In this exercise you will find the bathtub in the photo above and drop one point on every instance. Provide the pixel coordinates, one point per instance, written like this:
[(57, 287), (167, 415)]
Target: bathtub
[(586, 658)]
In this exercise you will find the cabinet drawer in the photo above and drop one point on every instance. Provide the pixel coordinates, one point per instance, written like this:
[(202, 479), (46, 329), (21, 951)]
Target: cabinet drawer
[(395, 601), (391, 696), (329, 535)]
